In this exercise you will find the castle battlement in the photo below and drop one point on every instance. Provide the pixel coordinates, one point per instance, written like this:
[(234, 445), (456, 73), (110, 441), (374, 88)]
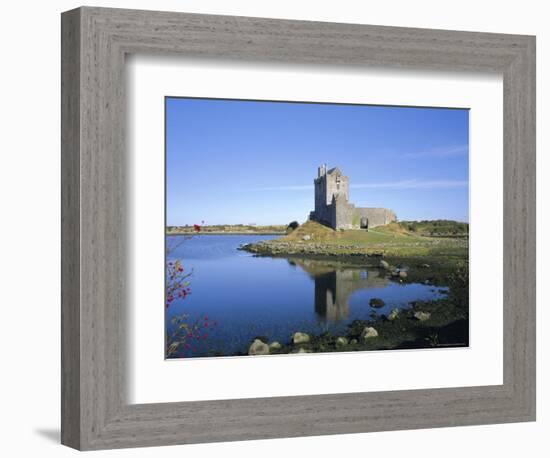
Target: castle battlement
[(333, 208)]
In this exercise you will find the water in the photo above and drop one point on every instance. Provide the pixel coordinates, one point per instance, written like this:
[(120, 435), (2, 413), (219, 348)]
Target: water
[(236, 296)]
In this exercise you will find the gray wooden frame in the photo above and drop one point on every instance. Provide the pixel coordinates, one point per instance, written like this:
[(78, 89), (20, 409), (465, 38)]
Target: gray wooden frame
[(95, 413)]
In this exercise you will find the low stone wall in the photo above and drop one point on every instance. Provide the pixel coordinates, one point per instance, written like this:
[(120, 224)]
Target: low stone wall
[(376, 216), (343, 215)]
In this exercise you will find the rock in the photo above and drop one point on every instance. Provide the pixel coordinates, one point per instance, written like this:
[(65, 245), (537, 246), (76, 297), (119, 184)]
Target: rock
[(341, 342), (369, 332), (402, 274), (422, 316), (301, 350), (258, 348), (425, 266), (376, 302), (353, 341), (306, 237), (275, 346), (395, 273), (384, 265), (300, 338), (393, 314)]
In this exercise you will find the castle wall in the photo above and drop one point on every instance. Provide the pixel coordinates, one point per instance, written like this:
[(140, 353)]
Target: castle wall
[(320, 193), (343, 215), (376, 216), (324, 214), (336, 184)]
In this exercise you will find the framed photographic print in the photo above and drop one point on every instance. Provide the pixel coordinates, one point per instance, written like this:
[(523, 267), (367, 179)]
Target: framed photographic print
[(335, 220)]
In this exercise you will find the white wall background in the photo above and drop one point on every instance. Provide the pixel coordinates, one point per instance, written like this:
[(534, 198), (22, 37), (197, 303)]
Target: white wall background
[(29, 229)]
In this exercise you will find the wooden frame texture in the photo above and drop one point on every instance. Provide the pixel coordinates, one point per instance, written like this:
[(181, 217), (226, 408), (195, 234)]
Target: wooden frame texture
[(95, 41)]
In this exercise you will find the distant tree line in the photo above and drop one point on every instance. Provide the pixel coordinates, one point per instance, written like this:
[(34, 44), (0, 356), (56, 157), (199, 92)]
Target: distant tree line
[(437, 228)]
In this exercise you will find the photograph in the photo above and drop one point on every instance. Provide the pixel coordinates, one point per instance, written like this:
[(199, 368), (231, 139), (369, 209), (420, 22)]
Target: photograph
[(307, 227)]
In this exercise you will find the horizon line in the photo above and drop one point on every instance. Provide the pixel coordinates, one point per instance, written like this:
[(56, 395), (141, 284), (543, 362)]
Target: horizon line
[(402, 184), (283, 224)]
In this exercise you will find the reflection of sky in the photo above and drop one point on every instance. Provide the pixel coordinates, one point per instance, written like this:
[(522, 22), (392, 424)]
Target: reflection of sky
[(227, 159), (255, 296), (395, 295)]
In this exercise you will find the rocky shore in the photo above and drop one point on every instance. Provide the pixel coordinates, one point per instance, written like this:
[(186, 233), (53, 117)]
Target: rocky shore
[(282, 248), (424, 325)]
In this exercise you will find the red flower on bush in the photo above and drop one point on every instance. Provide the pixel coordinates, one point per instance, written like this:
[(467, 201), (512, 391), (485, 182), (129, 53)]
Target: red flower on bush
[(184, 331)]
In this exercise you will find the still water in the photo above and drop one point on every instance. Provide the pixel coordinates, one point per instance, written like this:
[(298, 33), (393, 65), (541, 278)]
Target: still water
[(242, 296)]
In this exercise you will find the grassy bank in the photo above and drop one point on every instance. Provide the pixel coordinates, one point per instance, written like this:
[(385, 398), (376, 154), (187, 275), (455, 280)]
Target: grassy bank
[(393, 241)]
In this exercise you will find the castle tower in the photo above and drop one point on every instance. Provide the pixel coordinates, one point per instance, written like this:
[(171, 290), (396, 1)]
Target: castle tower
[(328, 184), (336, 185), (333, 208)]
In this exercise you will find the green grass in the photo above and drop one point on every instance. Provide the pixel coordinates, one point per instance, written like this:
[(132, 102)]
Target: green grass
[(391, 240), (436, 259), (436, 228)]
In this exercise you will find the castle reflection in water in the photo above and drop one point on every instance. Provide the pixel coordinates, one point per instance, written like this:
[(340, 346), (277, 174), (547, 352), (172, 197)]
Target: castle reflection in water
[(335, 283)]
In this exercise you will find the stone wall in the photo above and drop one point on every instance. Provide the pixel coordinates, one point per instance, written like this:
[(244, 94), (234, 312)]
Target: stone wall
[(336, 185), (343, 214), (324, 214), (320, 193), (376, 216)]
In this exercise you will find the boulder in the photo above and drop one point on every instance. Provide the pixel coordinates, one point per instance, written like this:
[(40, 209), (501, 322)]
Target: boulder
[(301, 350), (300, 338), (376, 302), (393, 314), (306, 237), (368, 333), (384, 265), (402, 274), (422, 316), (258, 348), (353, 341), (275, 346), (341, 342)]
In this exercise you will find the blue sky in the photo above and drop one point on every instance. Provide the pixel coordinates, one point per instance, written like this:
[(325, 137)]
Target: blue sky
[(233, 162)]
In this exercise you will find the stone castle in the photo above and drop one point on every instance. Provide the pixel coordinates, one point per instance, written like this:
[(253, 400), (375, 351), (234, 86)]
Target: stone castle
[(333, 208)]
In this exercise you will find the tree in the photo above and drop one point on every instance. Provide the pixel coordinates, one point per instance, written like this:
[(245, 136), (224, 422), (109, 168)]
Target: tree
[(292, 226)]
